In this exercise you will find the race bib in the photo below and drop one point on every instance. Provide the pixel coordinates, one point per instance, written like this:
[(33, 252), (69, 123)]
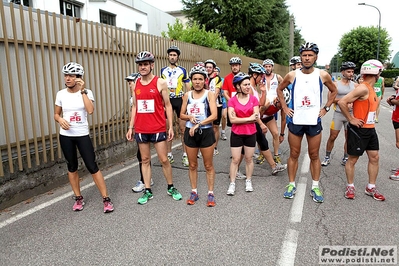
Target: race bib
[(75, 118), (371, 118), (196, 109), (145, 106)]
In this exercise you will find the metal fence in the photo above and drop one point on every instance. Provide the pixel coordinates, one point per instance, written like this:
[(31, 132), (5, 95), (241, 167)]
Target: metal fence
[(35, 44)]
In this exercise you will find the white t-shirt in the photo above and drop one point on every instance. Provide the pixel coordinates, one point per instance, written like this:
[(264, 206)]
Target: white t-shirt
[(74, 112)]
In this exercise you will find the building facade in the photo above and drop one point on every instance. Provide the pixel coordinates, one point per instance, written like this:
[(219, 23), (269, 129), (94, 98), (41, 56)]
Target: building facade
[(128, 14)]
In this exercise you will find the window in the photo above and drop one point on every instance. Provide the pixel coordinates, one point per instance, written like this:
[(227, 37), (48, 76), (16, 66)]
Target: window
[(138, 27), (70, 9), (21, 2), (107, 18)]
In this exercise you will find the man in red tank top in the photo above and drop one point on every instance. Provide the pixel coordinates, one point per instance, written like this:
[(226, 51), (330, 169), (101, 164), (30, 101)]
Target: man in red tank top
[(148, 123), (362, 135)]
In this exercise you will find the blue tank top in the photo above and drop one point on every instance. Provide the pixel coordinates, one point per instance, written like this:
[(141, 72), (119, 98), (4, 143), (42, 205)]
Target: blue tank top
[(199, 108)]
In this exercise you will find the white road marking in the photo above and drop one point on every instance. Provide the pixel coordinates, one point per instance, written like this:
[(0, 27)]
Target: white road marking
[(288, 249), (299, 199), (66, 195), (289, 246)]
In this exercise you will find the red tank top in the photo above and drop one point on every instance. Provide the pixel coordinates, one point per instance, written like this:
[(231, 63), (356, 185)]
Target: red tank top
[(150, 113), (395, 113), (366, 109)]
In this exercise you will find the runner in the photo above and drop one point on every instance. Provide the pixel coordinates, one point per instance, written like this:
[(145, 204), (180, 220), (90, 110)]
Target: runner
[(394, 101), (199, 110), (139, 187), (178, 83), (243, 111), (256, 73), (72, 105), (214, 84), (362, 135), (379, 88), (224, 108), (344, 86), (271, 81), (304, 115), (148, 123), (295, 62)]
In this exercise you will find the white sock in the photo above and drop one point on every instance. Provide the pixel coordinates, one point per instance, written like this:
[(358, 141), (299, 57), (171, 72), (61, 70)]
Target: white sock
[(184, 154), (315, 184), (351, 185), (170, 154), (210, 192), (194, 190), (292, 183), (371, 186), (223, 131)]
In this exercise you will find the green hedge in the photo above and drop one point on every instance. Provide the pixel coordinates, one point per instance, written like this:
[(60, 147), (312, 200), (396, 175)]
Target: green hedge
[(390, 73)]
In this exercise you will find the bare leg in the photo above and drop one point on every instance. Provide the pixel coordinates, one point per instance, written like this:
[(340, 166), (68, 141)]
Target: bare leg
[(313, 150), (295, 150), (207, 156), (75, 182)]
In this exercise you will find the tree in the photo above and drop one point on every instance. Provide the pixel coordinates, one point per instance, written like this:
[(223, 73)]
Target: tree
[(261, 27), (360, 45), (196, 34)]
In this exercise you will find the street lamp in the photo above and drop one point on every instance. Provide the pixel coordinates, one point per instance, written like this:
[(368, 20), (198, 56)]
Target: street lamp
[(379, 27)]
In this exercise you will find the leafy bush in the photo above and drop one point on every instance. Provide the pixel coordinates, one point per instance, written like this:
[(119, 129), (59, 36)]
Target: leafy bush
[(197, 34)]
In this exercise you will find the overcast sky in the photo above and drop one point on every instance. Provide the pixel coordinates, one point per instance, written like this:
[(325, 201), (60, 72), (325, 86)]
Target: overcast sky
[(324, 22)]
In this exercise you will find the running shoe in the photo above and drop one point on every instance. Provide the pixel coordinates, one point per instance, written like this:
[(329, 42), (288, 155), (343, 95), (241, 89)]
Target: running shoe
[(248, 186), (145, 197), (199, 155), (344, 160), (326, 161), (139, 187), (193, 198), (290, 191), (395, 176), (108, 206), (215, 152), (211, 200), (171, 159), (240, 175), (374, 193), (350, 192), (260, 159), (232, 189), (184, 160), (174, 193), (223, 136), (393, 170), (317, 195), (78, 205), (279, 168), (277, 159)]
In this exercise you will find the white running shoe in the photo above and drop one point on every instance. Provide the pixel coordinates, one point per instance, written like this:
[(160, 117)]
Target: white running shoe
[(248, 186), (240, 175), (232, 189)]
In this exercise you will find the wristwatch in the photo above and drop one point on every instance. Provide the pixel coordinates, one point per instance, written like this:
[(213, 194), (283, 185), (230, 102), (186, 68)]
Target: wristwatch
[(83, 91), (327, 108)]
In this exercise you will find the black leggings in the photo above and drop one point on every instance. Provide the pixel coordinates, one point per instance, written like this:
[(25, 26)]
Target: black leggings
[(69, 146), (261, 139)]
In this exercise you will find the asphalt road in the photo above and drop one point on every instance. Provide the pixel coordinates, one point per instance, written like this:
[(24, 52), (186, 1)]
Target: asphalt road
[(258, 228)]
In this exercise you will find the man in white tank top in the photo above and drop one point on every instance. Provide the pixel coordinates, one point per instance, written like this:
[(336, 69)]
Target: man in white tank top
[(304, 115), (271, 81)]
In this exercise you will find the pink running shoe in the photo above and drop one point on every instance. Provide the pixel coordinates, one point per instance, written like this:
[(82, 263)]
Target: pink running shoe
[(78, 206), (108, 206)]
